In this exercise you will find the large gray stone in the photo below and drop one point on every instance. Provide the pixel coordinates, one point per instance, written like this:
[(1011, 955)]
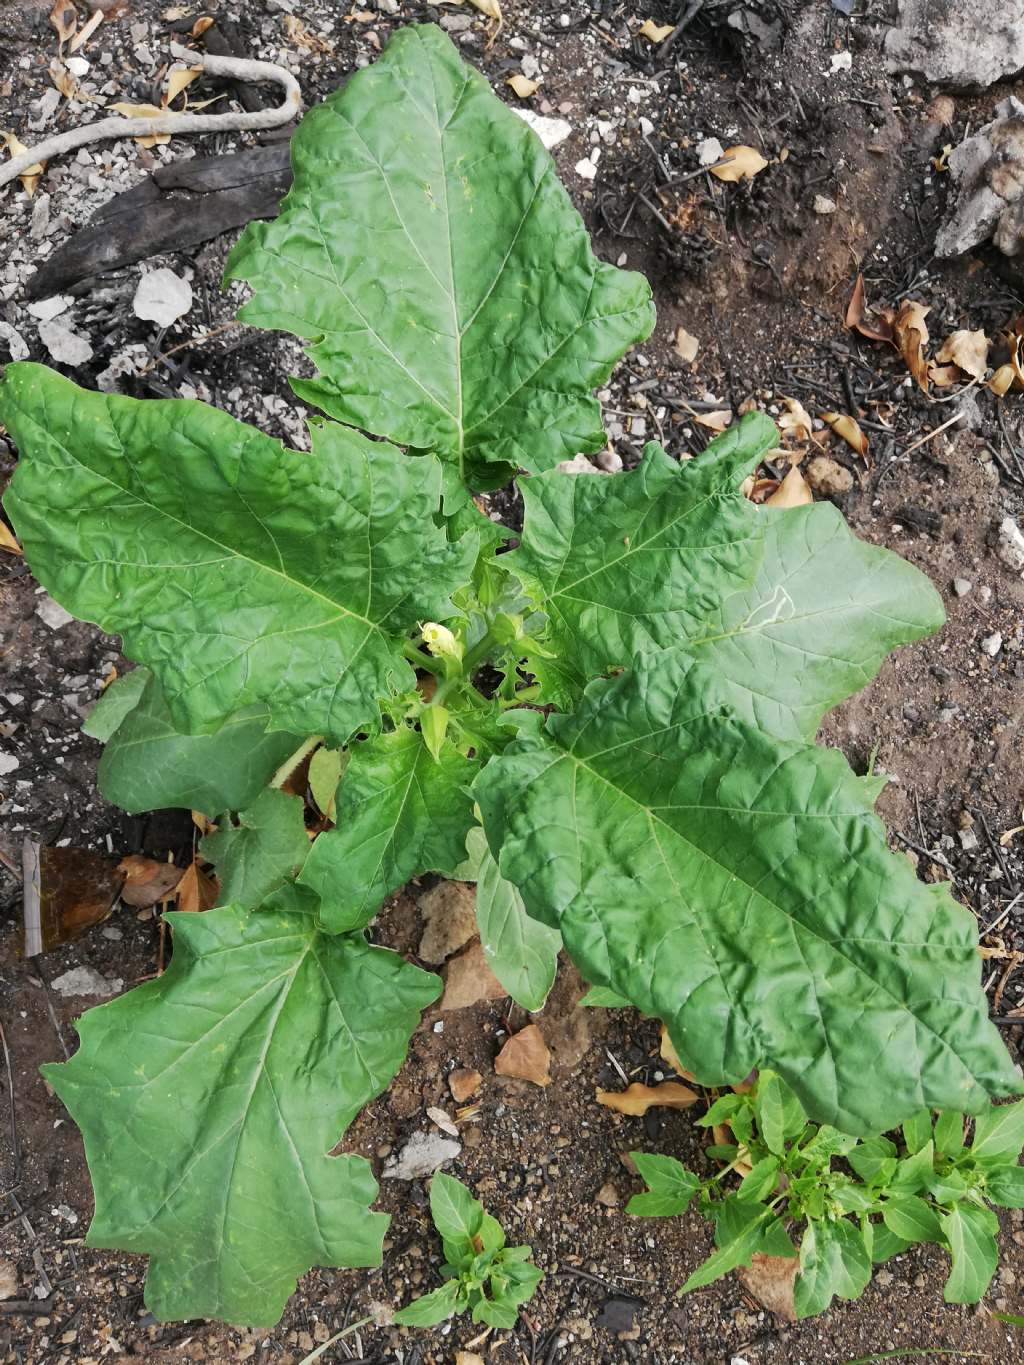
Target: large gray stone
[(958, 43), (988, 172)]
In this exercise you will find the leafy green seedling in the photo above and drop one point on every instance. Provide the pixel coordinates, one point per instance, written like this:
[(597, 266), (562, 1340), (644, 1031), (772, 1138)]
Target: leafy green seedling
[(611, 728), (482, 1275), (854, 1202)]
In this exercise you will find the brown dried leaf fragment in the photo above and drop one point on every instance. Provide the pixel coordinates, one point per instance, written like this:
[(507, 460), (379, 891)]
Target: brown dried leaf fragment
[(743, 164), (770, 1279), (911, 333), (793, 491), (197, 890), (526, 1057), (64, 18), (845, 426), (655, 33), (147, 881), (968, 350), (795, 422), (859, 318), (639, 1098)]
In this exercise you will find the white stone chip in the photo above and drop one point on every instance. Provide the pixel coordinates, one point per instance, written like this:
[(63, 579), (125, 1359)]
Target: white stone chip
[(421, 1156), (52, 613), (551, 131), (65, 346), (709, 151), (45, 309), (162, 297), (87, 981)]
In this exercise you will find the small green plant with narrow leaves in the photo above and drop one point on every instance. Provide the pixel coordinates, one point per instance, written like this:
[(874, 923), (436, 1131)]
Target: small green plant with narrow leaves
[(850, 1202), (610, 728), (482, 1276)]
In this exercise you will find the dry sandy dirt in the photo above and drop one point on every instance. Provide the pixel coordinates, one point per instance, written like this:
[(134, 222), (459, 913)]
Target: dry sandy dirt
[(761, 280)]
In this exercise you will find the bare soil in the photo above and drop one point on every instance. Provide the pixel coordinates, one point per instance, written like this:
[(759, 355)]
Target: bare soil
[(762, 280)]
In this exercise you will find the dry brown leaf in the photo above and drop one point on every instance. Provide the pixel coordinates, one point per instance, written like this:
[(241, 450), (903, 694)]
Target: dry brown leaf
[(639, 1098), (669, 1054), (449, 920), (62, 78), (144, 111), (715, 421), (793, 491), (522, 85), (687, 346), (200, 26), (464, 1084), (911, 333), (8, 540), (197, 890), (526, 1057), (877, 327), (968, 350), (29, 178), (657, 33), (179, 80), (297, 33), (64, 18), (770, 1279), (744, 164), (147, 881), (795, 421), (468, 1358), (492, 9), (845, 426), (942, 376), (1001, 380)]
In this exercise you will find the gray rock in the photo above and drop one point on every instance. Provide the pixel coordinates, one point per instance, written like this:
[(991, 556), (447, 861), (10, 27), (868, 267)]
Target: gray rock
[(1010, 546), (551, 131), (956, 44), (421, 1156), (962, 586), (52, 614), (988, 172), (992, 644), (64, 345), (87, 981), (162, 297)]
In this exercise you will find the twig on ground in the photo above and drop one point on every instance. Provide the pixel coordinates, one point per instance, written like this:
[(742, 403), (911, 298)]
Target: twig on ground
[(237, 68), (15, 1144), (929, 435), (192, 341)]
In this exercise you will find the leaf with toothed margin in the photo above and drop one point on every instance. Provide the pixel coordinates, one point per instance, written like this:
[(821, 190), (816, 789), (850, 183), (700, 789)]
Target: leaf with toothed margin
[(211, 1098), (433, 259), (740, 888), (240, 572), (791, 612)]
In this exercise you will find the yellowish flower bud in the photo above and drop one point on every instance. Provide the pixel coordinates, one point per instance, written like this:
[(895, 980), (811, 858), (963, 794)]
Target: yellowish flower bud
[(440, 641)]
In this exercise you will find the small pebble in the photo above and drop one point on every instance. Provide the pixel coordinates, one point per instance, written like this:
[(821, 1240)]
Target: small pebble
[(992, 644), (962, 586)]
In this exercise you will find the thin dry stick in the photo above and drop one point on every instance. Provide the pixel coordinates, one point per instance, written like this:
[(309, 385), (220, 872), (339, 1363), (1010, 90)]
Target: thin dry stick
[(930, 434), (236, 68)]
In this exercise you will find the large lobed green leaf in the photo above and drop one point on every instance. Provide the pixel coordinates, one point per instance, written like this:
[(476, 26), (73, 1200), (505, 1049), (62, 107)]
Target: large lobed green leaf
[(429, 252), (210, 1099), (148, 764), (239, 571), (740, 888), (790, 611)]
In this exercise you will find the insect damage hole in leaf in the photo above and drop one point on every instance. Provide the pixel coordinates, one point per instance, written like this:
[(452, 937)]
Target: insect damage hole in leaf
[(674, 827)]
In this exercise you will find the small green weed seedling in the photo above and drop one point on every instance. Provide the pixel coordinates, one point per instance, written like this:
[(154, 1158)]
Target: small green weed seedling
[(610, 728), (854, 1202), (482, 1275)]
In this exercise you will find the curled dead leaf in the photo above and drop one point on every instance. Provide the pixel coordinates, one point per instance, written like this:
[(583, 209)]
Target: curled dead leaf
[(943, 376), (793, 491), (911, 333), (29, 178), (144, 111), (1002, 380), (147, 881), (795, 422), (180, 79), (639, 1098), (656, 33), (968, 350), (200, 26), (522, 85), (8, 540), (876, 326), (743, 164), (62, 79), (714, 421), (64, 18), (845, 426), (526, 1057), (196, 890), (669, 1054)]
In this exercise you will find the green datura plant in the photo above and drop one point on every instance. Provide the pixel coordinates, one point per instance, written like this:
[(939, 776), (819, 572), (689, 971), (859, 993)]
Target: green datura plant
[(627, 701), (482, 1276), (854, 1201)]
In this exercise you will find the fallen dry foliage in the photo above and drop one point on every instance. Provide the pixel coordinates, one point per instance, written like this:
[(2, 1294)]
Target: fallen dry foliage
[(526, 1057), (637, 1099)]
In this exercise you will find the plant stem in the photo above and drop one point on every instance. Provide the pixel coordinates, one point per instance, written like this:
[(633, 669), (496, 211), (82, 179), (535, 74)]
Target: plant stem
[(291, 763), (347, 1331), (471, 660), (421, 660)]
